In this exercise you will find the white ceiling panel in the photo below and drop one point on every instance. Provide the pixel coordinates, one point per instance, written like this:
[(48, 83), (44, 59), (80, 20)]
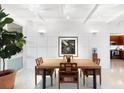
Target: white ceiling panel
[(106, 13), (83, 12)]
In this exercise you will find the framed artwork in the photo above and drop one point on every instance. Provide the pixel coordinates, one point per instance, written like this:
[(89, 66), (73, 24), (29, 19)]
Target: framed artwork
[(68, 45)]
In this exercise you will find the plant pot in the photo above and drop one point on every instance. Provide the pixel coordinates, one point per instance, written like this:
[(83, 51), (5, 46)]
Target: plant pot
[(7, 79)]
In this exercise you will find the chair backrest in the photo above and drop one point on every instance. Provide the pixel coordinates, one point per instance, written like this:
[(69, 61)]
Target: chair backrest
[(68, 73), (97, 61), (68, 57), (68, 67), (39, 61)]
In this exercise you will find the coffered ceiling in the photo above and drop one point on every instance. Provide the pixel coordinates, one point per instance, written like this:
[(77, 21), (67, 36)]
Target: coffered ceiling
[(85, 13)]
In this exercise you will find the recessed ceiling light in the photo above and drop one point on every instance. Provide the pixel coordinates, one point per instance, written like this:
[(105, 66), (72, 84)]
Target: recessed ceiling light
[(67, 17)]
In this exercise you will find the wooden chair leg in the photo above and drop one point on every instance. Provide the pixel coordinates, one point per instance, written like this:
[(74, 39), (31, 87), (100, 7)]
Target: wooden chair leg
[(77, 85), (84, 78), (59, 85), (35, 78), (100, 78), (51, 79), (86, 73), (59, 82), (55, 73), (80, 73)]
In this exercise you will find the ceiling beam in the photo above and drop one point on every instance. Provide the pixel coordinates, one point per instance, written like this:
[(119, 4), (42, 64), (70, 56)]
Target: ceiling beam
[(42, 19), (116, 16), (91, 13), (34, 9), (62, 9)]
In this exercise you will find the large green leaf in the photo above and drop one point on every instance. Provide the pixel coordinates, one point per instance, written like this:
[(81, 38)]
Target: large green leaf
[(8, 20), (10, 42), (2, 14), (20, 43)]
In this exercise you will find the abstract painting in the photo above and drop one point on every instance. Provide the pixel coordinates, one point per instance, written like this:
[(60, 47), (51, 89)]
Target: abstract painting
[(68, 45)]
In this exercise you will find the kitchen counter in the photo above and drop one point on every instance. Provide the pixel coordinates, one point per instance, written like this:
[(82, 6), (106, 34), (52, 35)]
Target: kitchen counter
[(119, 54)]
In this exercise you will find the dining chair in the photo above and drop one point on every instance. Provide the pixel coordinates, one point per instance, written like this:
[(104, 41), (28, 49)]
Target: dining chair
[(68, 57), (88, 72), (68, 73), (39, 71)]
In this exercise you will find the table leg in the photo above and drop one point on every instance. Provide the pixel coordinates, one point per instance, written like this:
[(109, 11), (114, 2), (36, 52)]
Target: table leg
[(94, 79), (44, 79)]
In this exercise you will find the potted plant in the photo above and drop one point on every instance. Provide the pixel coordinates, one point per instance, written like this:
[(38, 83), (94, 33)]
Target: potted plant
[(11, 43)]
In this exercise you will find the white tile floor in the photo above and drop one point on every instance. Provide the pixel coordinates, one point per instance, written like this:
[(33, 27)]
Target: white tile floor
[(111, 79)]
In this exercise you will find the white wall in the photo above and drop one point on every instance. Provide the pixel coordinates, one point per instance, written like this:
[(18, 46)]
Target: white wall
[(46, 45), (101, 42)]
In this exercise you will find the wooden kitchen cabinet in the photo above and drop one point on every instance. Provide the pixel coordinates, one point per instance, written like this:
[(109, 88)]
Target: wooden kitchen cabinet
[(117, 40), (122, 39), (121, 54)]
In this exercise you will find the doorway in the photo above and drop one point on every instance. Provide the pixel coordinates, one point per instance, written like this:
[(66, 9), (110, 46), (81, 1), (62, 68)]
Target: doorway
[(117, 50)]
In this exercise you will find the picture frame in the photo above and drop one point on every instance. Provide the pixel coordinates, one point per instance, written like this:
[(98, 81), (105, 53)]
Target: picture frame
[(67, 45)]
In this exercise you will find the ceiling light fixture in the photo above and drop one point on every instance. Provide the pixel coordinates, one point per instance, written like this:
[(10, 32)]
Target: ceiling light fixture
[(42, 31), (94, 31)]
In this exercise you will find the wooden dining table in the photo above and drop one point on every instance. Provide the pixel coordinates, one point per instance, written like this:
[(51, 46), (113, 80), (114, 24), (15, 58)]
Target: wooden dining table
[(84, 64)]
